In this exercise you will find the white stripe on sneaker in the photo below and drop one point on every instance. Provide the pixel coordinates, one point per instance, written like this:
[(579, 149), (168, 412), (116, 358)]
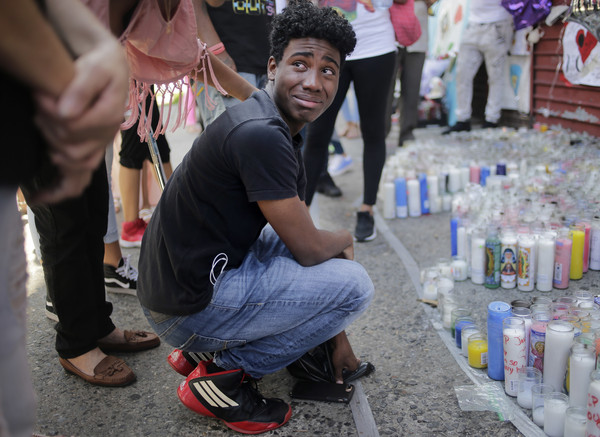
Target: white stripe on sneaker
[(213, 395)]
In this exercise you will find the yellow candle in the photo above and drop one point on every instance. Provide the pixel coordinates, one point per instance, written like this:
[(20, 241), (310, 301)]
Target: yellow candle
[(478, 351), (578, 237)]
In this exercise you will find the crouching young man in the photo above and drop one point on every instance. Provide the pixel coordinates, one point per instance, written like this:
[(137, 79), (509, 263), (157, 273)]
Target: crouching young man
[(231, 261)]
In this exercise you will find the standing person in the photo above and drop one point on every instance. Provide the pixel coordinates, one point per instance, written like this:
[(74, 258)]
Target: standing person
[(160, 40), (237, 34), (487, 37), (410, 63), (371, 69), (60, 109), (133, 153), (215, 277)]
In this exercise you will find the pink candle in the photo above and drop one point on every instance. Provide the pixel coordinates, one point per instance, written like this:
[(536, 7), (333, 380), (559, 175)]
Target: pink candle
[(562, 260)]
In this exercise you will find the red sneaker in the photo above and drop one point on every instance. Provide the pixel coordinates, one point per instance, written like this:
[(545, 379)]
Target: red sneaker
[(132, 233), (184, 362), (229, 395)]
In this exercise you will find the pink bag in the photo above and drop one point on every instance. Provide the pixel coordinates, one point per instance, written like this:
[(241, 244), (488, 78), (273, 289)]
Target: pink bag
[(405, 22)]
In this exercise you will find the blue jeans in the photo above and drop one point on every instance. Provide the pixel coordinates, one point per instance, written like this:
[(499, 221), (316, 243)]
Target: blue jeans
[(268, 312)]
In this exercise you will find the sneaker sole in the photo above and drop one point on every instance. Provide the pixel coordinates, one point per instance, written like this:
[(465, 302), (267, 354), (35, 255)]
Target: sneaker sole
[(369, 238), (188, 399), (51, 315), (130, 244), (118, 290)]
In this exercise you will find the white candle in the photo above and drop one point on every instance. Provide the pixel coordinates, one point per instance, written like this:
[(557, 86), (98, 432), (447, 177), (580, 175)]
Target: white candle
[(414, 198), (435, 204), (593, 406), (477, 259), (581, 364), (465, 175), (559, 337), (446, 202), (555, 409), (461, 241), (464, 338), (515, 356), (538, 416), (433, 186), (389, 200), (453, 180), (545, 262), (575, 422), (459, 268)]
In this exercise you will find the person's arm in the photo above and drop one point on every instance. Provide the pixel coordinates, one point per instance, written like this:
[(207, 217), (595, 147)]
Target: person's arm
[(291, 220), (233, 83), (208, 34), (80, 103), (30, 49)]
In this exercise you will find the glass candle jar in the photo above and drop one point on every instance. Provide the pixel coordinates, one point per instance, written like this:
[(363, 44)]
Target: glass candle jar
[(538, 391), (478, 351), (515, 353), (555, 410), (528, 377), (559, 338)]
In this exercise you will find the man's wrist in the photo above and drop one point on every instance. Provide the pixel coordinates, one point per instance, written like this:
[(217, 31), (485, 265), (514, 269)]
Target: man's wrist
[(217, 49)]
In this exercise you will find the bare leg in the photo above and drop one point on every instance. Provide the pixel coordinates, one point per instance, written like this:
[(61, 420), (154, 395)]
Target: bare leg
[(129, 183), (112, 253), (343, 356)]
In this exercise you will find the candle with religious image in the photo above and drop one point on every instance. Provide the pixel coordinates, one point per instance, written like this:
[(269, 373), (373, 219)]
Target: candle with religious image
[(508, 260), (515, 353), (526, 262), (492, 258)]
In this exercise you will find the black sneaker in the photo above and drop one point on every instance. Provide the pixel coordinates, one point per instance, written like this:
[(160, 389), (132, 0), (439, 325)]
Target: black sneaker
[(489, 124), (365, 227), (50, 311), (327, 186), (460, 126), (122, 279), (231, 396)]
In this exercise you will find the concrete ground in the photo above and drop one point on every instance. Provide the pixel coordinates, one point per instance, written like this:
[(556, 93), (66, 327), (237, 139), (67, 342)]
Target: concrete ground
[(411, 393)]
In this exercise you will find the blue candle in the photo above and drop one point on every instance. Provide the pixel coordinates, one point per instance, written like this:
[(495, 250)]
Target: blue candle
[(401, 200), (483, 175), (497, 312), (424, 194), (501, 169), (453, 236)]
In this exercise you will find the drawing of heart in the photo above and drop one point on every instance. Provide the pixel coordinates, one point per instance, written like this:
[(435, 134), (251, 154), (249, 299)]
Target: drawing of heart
[(585, 43)]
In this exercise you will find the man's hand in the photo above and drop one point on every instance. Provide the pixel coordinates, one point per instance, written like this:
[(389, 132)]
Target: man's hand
[(347, 253), (86, 116)]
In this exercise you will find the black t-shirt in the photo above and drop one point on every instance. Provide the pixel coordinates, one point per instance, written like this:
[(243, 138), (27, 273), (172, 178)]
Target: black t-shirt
[(209, 206), (244, 28)]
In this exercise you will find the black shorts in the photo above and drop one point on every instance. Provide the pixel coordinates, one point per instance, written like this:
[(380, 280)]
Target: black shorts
[(134, 151)]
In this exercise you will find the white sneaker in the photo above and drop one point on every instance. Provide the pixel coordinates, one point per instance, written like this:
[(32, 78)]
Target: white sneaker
[(339, 164)]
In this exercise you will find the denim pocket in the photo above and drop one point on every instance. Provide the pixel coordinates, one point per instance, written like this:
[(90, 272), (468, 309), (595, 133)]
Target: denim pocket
[(209, 344), (162, 324)]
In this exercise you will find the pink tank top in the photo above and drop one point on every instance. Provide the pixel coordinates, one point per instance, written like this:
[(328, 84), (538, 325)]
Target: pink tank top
[(159, 52)]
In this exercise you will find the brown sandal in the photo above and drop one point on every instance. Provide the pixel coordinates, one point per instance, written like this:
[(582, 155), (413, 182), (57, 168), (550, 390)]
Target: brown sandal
[(135, 341), (110, 372)]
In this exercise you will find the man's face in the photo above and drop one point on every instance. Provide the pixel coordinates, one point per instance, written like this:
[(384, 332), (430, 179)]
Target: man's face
[(305, 80)]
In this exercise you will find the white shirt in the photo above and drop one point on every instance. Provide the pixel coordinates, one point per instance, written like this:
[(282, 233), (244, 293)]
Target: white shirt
[(374, 33), (487, 11)]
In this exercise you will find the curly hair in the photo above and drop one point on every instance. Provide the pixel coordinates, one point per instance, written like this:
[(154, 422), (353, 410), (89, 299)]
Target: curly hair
[(302, 19)]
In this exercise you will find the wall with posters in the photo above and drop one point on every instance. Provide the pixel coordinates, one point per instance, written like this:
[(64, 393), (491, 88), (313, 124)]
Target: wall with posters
[(566, 77)]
